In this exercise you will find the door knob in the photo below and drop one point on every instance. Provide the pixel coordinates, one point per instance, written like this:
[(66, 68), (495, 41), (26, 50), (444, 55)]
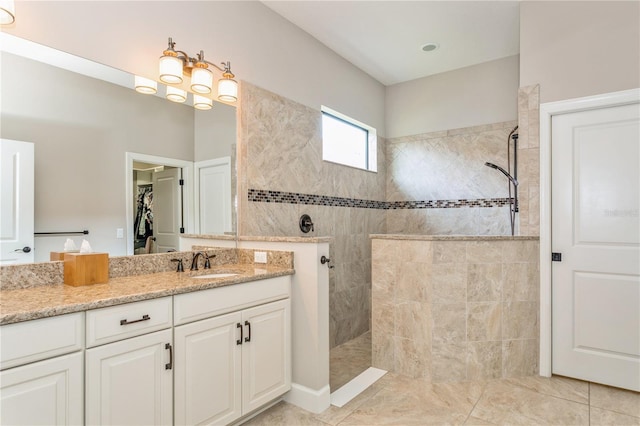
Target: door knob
[(25, 249)]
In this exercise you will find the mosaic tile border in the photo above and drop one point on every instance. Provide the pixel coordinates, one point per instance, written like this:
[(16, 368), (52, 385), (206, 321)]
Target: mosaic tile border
[(265, 196)]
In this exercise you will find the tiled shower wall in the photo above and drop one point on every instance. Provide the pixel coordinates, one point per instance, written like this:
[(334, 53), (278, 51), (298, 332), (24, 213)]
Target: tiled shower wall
[(529, 153), (456, 310), (449, 165), (281, 150)]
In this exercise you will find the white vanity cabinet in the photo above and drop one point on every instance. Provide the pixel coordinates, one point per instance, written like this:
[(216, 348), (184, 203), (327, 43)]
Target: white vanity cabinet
[(41, 381), (129, 379), (236, 356)]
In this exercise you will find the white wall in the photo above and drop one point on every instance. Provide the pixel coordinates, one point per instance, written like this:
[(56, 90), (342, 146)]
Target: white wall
[(215, 134), (480, 94), (264, 48), (579, 48)]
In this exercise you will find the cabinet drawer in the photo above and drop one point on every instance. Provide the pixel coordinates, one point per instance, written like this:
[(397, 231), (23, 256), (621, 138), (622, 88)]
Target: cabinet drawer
[(132, 319), (216, 301), (35, 340)]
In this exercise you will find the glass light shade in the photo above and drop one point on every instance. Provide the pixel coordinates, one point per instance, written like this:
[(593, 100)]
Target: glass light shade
[(145, 85), (227, 90), (176, 95), (201, 80), (7, 12), (200, 102), (171, 69)]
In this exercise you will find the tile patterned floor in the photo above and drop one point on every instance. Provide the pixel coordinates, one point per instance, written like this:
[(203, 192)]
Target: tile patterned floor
[(348, 360), (398, 400)]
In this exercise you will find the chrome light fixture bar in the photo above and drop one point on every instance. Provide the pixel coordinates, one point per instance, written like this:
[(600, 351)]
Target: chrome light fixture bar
[(174, 64)]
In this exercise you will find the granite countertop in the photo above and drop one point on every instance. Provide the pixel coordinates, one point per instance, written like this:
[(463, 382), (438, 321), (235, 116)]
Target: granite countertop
[(50, 300), (452, 237)]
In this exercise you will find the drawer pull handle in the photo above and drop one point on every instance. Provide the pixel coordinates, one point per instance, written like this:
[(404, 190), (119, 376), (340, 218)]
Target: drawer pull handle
[(239, 341), (169, 366), (248, 338), (144, 318)]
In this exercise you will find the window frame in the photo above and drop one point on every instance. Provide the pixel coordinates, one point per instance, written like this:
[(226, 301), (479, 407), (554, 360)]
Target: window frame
[(371, 157)]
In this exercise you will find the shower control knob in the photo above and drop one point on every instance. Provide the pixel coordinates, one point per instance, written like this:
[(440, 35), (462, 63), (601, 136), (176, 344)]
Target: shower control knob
[(305, 223)]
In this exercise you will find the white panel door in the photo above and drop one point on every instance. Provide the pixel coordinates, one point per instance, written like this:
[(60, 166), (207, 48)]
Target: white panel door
[(213, 195), (266, 353), (208, 371), (167, 210), (128, 382), (596, 228), (16, 201), (43, 393)]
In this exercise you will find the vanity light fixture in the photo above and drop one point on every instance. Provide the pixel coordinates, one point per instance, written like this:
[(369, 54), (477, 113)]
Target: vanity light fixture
[(200, 102), (145, 85), (7, 12), (174, 64), (176, 95)]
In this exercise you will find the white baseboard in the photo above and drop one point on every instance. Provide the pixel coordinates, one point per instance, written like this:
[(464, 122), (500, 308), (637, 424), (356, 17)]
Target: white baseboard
[(315, 401)]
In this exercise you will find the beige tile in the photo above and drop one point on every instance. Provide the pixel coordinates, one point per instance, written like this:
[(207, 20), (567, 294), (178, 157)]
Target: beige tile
[(413, 320), (484, 360), (520, 282), (521, 251), (382, 314), (449, 362), (348, 360), (412, 282), (502, 403), (484, 282), (334, 415), (484, 251), (449, 252), (520, 320), (474, 421), (412, 357), (414, 402), (449, 322), (519, 358), (484, 321), (283, 414), (615, 399), (382, 351), (448, 282), (600, 417), (560, 387)]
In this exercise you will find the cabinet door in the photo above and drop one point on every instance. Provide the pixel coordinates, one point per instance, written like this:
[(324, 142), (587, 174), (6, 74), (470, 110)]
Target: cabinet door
[(208, 371), (130, 382), (43, 393), (266, 353)]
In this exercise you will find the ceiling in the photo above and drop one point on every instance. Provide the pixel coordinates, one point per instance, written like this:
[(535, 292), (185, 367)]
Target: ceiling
[(385, 38)]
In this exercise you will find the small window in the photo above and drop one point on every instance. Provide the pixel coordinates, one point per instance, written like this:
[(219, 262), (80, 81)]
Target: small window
[(347, 141)]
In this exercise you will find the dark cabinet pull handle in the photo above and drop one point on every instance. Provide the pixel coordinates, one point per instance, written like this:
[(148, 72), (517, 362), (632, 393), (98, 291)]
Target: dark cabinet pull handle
[(239, 341), (144, 318), (169, 366), (248, 338)]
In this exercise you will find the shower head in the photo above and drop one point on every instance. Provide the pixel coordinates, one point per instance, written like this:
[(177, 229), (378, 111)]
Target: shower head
[(511, 178)]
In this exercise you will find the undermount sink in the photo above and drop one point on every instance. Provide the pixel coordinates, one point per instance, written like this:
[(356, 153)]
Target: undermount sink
[(220, 275)]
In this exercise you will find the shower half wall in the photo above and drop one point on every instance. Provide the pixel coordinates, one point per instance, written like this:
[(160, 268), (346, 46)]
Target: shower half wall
[(449, 309)]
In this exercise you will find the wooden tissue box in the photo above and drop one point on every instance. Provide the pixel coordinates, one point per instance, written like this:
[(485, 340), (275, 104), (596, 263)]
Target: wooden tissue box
[(86, 268), (59, 255)]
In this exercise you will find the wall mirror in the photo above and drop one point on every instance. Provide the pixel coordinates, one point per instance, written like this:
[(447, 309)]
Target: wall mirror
[(100, 147)]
